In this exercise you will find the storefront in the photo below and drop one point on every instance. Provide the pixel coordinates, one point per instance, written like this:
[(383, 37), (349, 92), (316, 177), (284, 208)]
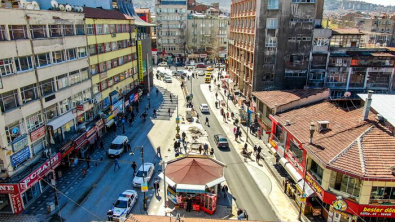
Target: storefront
[(37, 139), (62, 128), (99, 127), (7, 191), (80, 144), (67, 153)]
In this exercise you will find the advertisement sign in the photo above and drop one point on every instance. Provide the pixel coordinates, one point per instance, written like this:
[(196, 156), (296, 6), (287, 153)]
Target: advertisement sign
[(144, 187), (91, 132), (280, 151), (99, 124), (66, 149), (376, 211), (40, 172), (131, 98), (16, 203), (80, 107), (340, 205), (315, 186), (37, 134), (20, 156), (203, 55), (9, 188), (19, 143), (117, 105), (140, 60)]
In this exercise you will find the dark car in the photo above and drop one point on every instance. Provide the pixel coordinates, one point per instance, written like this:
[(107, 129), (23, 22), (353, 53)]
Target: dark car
[(200, 66), (177, 73), (179, 64), (221, 141)]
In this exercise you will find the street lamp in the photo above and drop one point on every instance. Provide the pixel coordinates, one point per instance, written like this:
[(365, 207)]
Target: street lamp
[(142, 162)]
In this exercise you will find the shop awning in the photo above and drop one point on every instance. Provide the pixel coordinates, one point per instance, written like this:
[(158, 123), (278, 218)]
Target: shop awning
[(168, 181), (291, 170), (189, 188), (272, 150), (215, 182), (58, 122), (307, 189), (109, 123)]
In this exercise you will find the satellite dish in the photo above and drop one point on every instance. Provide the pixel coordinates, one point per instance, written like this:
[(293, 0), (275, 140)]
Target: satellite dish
[(35, 5), (69, 8), (22, 4), (347, 94), (61, 7), (54, 4)]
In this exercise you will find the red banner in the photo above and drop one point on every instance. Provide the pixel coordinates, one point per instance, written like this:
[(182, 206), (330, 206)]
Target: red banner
[(17, 203), (9, 188), (376, 211), (37, 175), (37, 134)]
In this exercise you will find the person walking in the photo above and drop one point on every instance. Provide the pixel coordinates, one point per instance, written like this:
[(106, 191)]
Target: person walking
[(216, 104), (87, 159), (184, 135), (156, 187), (245, 146), (116, 164), (171, 98), (236, 135), (216, 95), (154, 111), (144, 115), (132, 116), (259, 149), (212, 151), (224, 117), (205, 149), (225, 190), (227, 115), (134, 167), (207, 123), (197, 115), (169, 112), (175, 146), (158, 153), (200, 149), (258, 156), (255, 149), (157, 92)]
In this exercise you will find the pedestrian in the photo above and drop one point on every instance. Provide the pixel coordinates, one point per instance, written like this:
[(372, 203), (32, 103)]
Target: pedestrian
[(185, 147), (156, 187), (225, 190), (154, 111), (115, 126), (158, 152), (227, 115), (234, 130), (207, 123), (197, 115), (224, 92), (183, 135), (259, 149), (144, 115), (134, 167), (178, 146), (116, 164), (222, 111), (157, 92), (216, 104), (189, 204), (87, 159), (175, 146), (258, 156), (101, 144), (212, 151), (200, 149), (171, 97), (236, 136), (205, 149), (132, 116), (129, 147), (169, 112), (255, 149), (216, 95), (245, 146)]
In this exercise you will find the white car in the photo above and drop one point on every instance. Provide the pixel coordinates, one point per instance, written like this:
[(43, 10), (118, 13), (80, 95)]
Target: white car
[(201, 73), (124, 204), (204, 108), (163, 64), (148, 173), (168, 79), (189, 66)]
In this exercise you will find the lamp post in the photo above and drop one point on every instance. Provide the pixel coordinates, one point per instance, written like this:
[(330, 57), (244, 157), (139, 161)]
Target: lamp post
[(304, 185), (142, 162)]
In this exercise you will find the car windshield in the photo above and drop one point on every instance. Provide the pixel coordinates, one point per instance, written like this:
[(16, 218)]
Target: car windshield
[(223, 140), (121, 204), (115, 146), (140, 173)]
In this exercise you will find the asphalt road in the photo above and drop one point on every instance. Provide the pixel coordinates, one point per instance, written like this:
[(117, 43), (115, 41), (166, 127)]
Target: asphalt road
[(243, 187)]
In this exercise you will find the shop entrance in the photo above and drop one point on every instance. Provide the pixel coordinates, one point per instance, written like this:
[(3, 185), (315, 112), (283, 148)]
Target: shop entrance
[(30, 194), (5, 203)]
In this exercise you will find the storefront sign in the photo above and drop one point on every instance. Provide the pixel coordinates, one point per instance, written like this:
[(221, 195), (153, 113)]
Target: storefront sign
[(9, 188), (280, 151), (203, 55), (80, 140), (99, 124), (91, 132), (39, 173), (340, 205), (37, 134), (16, 203), (140, 60), (110, 117), (377, 211), (20, 156), (117, 105), (66, 149), (19, 143), (274, 144), (144, 187), (80, 107), (314, 185)]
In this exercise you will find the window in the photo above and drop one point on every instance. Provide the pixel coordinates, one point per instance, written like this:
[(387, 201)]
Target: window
[(47, 87), (108, 46), (121, 60), (114, 46), (51, 112), (108, 64), (14, 130), (55, 30), (18, 32), (34, 121), (9, 100), (100, 48), (316, 171), (119, 28), (112, 28), (94, 69), (114, 63), (84, 74), (106, 29), (99, 29), (382, 194), (29, 93), (81, 52), (110, 81), (90, 30), (71, 55), (58, 56), (271, 42), (279, 132), (272, 23), (77, 99), (296, 152), (2, 33), (273, 4), (80, 29), (65, 105), (43, 60), (92, 50), (96, 88), (103, 85), (6, 67), (62, 81), (102, 67), (23, 63), (75, 77), (38, 31), (321, 41), (68, 30)]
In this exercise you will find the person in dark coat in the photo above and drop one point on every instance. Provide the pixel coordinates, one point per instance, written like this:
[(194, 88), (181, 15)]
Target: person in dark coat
[(189, 204), (175, 146), (255, 149), (134, 167), (225, 190), (200, 149), (259, 149)]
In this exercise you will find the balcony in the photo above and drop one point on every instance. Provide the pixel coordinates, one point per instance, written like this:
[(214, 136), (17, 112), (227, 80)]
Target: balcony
[(335, 84), (377, 85)]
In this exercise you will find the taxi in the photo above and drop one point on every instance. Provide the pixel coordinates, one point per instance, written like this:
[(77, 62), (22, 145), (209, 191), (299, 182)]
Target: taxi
[(207, 79), (210, 68), (124, 204)]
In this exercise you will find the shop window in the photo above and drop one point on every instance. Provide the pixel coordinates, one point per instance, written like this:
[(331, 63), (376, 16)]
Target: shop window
[(38, 31), (58, 56), (99, 29), (51, 112), (29, 93), (55, 30), (18, 32), (62, 81), (100, 48), (6, 67), (9, 100), (296, 152), (68, 30), (23, 63), (34, 121), (382, 195), (47, 87), (71, 54), (81, 52), (3, 36), (14, 130), (316, 171), (75, 77), (65, 106), (30, 194), (80, 30), (106, 29), (90, 30), (5, 206), (43, 59)]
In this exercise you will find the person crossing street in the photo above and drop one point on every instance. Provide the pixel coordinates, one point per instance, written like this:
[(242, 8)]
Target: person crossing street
[(134, 167), (116, 164), (156, 187)]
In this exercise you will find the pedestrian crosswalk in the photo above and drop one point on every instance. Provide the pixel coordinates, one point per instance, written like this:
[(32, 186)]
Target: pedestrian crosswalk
[(169, 103)]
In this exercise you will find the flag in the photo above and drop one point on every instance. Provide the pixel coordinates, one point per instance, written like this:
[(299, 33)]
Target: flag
[(163, 52)]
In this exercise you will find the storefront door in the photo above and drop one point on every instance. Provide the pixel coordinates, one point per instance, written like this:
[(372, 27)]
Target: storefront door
[(30, 194), (337, 217), (58, 136), (5, 203)]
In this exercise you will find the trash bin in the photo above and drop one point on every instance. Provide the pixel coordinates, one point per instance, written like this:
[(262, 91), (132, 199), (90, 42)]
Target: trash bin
[(50, 206)]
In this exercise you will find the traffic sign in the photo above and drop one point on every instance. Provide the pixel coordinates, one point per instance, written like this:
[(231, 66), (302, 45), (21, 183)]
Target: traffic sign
[(144, 187)]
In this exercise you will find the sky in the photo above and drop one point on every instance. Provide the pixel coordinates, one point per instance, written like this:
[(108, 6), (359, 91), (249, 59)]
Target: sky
[(381, 2)]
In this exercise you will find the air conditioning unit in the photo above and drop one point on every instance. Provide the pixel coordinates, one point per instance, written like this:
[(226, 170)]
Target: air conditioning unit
[(322, 126)]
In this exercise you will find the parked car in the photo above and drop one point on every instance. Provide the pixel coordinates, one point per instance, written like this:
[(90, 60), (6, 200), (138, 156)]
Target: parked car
[(209, 68), (148, 172), (124, 204), (163, 64), (201, 73), (179, 64), (189, 66), (118, 146), (200, 66), (168, 79), (204, 108), (221, 141), (177, 73)]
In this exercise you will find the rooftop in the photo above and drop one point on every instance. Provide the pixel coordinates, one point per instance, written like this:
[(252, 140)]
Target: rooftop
[(364, 149), (350, 31), (99, 13), (152, 218), (283, 97)]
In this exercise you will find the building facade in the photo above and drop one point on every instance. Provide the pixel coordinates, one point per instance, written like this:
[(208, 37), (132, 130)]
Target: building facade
[(270, 43), (171, 21), (207, 36)]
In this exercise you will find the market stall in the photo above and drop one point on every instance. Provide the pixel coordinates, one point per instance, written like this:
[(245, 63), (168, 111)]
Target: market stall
[(193, 182)]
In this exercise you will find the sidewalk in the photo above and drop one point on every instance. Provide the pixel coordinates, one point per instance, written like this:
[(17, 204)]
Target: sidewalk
[(268, 182)]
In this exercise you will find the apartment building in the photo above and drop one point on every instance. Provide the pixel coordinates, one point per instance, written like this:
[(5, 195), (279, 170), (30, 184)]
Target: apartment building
[(113, 61), (171, 21), (45, 97), (207, 36), (378, 30), (270, 43)]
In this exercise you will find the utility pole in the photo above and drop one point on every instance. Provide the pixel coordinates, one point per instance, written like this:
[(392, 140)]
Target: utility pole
[(304, 185), (149, 83), (164, 184), (142, 162)]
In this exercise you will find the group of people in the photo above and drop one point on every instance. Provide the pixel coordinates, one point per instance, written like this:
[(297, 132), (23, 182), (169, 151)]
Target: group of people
[(237, 132), (205, 147)]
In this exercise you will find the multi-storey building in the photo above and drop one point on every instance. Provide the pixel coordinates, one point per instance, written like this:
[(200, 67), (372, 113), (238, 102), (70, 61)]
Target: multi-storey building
[(270, 43), (378, 30), (171, 20), (44, 99), (112, 59), (207, 36)]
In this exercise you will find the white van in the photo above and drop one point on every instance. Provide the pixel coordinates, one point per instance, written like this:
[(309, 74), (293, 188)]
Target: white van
[(118, 146)]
